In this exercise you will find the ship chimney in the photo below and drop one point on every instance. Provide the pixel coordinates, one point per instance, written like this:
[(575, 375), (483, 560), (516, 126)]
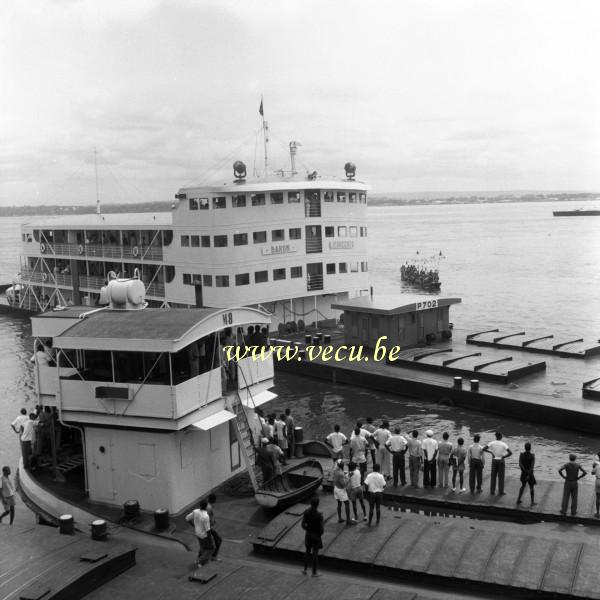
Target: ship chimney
[(293, 150)]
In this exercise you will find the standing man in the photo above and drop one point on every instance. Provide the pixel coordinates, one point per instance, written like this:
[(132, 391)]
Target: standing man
[(430, 452), (476, 459), (396, 445), (356, 490), (340, 493), (375, 483), (570, 473), (7, 495), (499, 451), (27, 439), (370, 439), (358, 449), (276, 456), (217, 539), (19, 421), (312, 523), (336, 441), (382, 435), (201, 521), (414, 458), (444, 452), (281, 434), (596, 473), (290, 429)]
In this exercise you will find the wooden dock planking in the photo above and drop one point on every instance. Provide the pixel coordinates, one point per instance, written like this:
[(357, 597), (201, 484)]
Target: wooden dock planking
[(587, 581), (454, 546), (562, 567), (504, 559), (393, 553), (530, 570), (327, 589), (425, 551)]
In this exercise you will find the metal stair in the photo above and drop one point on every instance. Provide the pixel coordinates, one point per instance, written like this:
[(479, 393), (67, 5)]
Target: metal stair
[(244, 436)]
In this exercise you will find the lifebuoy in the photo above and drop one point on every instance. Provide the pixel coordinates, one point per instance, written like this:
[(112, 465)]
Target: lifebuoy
[(44, 276), (42, 247), (135, 251), (80, 248)]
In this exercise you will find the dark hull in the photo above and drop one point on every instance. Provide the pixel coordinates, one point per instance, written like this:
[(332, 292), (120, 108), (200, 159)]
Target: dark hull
[(293, 486), (576, 213)]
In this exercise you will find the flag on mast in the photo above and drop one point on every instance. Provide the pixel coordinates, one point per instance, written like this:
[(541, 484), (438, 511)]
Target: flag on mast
[(260, 110)]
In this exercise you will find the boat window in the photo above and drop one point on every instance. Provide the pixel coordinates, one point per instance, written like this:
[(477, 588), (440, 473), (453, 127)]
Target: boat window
[(293, 197), (68, 359), (329, 231), (330, 268), (97, 366), (207, 280), (295, 233), (278, 274), (354, 267), (220, 241), (169, 273), (219, 202), (258, 199), (240, 239), (167, 237), (261, 276), (342, 231), (205, 241), (195, 359), (242, 279), (353, 232), (259, 237), (277, 198), (238, 201), (364, 267), (328, 196), (352, 197), (341, 196), (277, 235), (194, 203), (363, 198), (203, 203), (185, 241), (187, 279), (343, 268), (295, 272), (222, 280), (195, 239)]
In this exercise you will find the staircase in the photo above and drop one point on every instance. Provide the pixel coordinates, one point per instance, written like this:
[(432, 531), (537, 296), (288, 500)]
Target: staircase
[(244, 435)]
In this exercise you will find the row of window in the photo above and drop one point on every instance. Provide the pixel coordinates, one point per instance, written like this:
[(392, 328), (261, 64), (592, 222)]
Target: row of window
[(263, 276), (240, 200), (260, 237)]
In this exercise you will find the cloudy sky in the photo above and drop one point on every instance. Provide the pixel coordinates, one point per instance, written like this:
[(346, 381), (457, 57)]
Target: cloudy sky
[(424, 96)]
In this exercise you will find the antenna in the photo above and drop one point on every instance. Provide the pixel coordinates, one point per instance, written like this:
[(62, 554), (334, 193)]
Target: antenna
[(96, 171), (265, 132)]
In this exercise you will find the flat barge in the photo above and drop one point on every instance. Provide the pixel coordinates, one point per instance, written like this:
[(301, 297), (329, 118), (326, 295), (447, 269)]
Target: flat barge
[(576, 213)]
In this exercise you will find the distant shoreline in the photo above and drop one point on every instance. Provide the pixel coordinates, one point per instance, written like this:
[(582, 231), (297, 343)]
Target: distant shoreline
[(375, 199)]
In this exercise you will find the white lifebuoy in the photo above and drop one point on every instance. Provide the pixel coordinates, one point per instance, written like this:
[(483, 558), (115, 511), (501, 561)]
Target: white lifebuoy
[(42, 247), (135, 251), (80, 248), (44, 276)]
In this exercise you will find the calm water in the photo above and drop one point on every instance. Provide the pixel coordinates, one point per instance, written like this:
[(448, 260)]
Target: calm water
[(514, 266)]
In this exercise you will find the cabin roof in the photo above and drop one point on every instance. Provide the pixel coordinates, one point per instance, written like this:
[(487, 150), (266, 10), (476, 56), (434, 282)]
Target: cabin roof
[(393, 305), (277, 184), (142, 220), (153, 329)]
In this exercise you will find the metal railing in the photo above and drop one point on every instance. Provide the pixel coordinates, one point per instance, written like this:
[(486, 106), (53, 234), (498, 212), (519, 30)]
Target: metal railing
[(46, 278), (100, 251), (91, 281), (156, 289), (314, 282), (314, 245)]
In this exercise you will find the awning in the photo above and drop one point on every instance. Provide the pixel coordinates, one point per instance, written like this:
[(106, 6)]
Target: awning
[(217, 419), (258, 399)]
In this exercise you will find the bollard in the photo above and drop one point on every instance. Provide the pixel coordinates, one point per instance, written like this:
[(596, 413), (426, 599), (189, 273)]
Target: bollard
[(301, 354), (327, 339), (99, 531), (66, 524), (458, 383), (316, 340), (474, 385), (161, 518), (131, 509), (308, 339)]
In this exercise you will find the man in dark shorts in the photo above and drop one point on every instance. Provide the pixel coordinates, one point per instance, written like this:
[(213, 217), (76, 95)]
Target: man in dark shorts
[(312, 523)]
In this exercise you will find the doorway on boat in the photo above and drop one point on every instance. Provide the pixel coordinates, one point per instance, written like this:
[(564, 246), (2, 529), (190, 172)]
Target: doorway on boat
[(312, 203), (198, 290), (314, 276)]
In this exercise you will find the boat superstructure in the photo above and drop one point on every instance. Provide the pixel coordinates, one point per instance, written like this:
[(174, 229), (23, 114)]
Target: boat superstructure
[(141, 403), (290, 243)]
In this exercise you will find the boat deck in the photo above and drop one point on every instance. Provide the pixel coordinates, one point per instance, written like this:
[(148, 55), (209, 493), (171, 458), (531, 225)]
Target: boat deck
[(452, 552)]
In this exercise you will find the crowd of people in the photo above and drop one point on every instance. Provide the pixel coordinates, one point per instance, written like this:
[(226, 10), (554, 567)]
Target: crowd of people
[(417, 275), (274, 439)]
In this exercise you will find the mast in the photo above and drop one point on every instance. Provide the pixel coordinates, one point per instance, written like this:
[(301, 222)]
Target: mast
[(265, 133), (96, 171)]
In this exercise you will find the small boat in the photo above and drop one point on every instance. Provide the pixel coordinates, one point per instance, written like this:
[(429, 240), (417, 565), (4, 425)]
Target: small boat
[(292, 486), (578, 212)]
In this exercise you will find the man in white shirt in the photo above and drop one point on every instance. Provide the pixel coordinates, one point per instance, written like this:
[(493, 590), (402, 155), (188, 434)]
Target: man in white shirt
[(415, 455), (396, 446), (19, 421), (499, 451), (336, 441), (200, 519), (476, 459), (375, 483), (382, 435), (358, 447), (27, 438), (430, 450)]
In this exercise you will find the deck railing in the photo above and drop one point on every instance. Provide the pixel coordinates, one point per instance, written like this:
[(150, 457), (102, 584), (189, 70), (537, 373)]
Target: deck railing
[(101, 251), (314, 282), (314, 245)]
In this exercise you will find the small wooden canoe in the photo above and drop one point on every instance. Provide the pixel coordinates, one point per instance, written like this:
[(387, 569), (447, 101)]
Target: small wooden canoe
[(292, 486)]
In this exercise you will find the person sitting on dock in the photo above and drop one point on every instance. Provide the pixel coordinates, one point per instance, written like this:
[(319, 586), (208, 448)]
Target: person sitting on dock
[(375, 483), (356, 490), (457, 460), (499, 451), (396, 446), (430, 451), (200, 519), (596, 473), (476, 464), (382, 434), (336, 440), (340, 483), (314, 525), (415, 455), (570, 473), (443, 461), (358, 448), (527, 464)]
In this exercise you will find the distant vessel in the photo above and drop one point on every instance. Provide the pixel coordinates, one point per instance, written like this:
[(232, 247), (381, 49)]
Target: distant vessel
[(579, 212), (422, 272)]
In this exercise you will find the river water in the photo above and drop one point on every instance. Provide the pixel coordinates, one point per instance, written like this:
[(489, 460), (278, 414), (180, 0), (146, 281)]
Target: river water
[(514, 266)]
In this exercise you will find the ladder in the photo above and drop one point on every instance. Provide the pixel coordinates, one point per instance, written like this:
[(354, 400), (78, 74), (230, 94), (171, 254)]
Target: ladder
[(244, 435)]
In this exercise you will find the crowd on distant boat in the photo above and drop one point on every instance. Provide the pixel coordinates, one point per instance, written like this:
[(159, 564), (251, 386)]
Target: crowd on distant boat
[(416, 275)]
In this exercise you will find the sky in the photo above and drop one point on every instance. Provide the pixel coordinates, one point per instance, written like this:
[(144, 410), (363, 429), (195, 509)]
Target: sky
[(445, 95)]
